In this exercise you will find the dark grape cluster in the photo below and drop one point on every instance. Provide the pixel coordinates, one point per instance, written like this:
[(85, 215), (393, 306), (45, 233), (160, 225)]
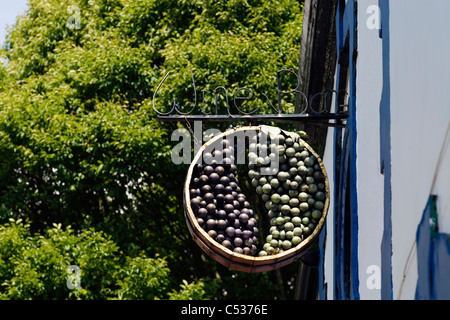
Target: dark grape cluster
[(218, 203)]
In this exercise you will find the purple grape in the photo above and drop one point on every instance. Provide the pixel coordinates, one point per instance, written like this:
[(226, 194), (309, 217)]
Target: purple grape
[(219, 200), (238, 242), (220, 238), (217, 154), (202, 212), (207, 157), (214, 178), (211, 224), (227, 152), (221, 224), (211, 208), (212, 233), (195, 204), (219, 188), (208, 170), (224, 180), (243, 218), (231, 216), (248, 242), (195, 192), (227, 162), (225, 143), (206, 189), (195, 183), (246, 234), (250, 224), (199, 168), (233, 185), (229, 199), (228, 208), (203, 179), (220, 170), (209, 197), (230, 231), (228, 190), (221, 214), (238, 250), (227, 244)]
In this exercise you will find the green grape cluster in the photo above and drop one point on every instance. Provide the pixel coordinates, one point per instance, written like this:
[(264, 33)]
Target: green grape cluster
[(294, 192)]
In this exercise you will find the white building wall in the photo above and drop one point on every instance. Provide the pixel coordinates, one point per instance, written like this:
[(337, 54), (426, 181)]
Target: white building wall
[(328, 162), (370, 181), (420, 113), (420, 118), (441, 185)]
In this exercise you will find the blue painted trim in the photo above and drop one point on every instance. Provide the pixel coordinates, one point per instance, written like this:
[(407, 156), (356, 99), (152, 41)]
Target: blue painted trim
[(347, 280), (341, 288), (338, 158), (337, 167), (354, 272), (335, 188), (340, 38), (433, 256), (424, 254), (321, 274), (385, 157), (440, 264)]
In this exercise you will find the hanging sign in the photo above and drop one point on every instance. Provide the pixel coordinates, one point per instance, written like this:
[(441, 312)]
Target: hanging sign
[(288, 177)]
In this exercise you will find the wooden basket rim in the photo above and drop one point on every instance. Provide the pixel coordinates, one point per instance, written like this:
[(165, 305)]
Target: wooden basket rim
[(251, 261)]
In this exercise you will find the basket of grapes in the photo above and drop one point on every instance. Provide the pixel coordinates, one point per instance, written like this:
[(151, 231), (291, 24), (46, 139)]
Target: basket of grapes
[(286, 175)]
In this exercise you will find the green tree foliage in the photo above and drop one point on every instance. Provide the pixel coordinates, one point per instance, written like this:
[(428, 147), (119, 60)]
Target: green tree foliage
[(80, 145), (37, 267)]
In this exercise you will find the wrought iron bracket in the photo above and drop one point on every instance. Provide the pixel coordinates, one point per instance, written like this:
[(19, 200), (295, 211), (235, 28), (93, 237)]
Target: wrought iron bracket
[(319, 119)]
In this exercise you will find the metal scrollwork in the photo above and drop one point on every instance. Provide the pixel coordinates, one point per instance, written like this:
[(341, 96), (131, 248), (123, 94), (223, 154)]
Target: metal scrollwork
[(308, 113)]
